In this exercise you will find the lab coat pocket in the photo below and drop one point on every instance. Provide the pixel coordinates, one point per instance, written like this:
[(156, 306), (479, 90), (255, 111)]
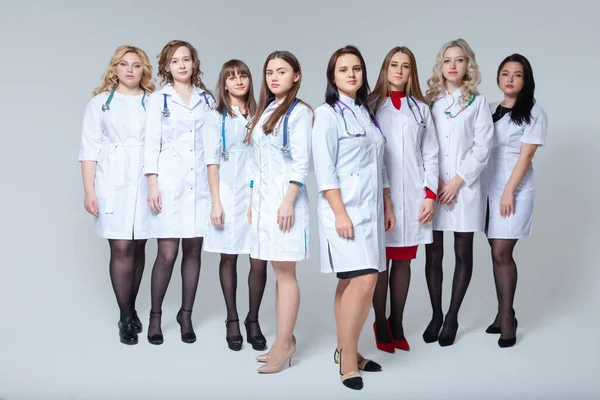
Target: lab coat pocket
[(350, 195), (170, 169)]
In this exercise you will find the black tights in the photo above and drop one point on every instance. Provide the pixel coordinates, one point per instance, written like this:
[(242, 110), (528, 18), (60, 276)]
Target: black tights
[(127, 259), (463, 253), (399, 281), (161, 275), (505, 277), (257, 279)]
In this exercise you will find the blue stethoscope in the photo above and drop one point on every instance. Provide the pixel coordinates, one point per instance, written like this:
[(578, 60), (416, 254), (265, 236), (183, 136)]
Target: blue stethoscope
[(447, 111), (166, 113), (285, 149), (224, 152), (420, 121), (106, 105), (341, 106)]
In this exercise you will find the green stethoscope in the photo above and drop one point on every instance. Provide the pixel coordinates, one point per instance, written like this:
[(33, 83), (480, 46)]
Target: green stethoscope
[(106, 105), (224, 152), (447, 111)]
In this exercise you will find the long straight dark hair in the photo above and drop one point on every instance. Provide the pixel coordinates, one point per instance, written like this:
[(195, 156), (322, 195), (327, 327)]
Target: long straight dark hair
[(521, 111), (231, 68), (266, 96), (331, 93)]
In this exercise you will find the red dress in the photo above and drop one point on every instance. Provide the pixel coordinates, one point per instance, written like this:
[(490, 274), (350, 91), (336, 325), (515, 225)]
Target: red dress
[(410, 252)]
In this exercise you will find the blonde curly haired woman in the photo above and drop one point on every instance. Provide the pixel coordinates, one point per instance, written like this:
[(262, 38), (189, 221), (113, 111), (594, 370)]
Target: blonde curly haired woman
[(111, 156), (464, 128)]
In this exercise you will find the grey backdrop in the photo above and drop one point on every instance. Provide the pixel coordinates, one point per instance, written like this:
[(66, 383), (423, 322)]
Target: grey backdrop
[(58, 334)]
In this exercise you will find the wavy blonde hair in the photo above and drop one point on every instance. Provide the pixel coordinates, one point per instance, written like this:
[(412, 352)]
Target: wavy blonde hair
[(471, 79), (165, 57), (110, 80)]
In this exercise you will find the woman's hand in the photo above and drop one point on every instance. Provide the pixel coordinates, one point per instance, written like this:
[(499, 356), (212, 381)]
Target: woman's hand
[(507, 204), (217, 215), (427, 211), (447, 195), (90, 203), (343, 226), (154, 198), (285, 215)]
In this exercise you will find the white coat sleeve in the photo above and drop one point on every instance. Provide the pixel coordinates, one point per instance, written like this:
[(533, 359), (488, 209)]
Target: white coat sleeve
[(300, 140), (324, 150), (384, 176), (152, 142), (91, 133), (535, 131), (477, 159), (429, 152), (212, 138)]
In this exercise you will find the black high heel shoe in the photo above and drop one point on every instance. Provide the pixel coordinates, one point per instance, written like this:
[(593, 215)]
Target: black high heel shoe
[(432, 331), (127, 333), (448, 335), (352, 379), (136, 322), (258, 342), (186, 337), (157, 338), (510, 342), (493, 330), (235, 341)]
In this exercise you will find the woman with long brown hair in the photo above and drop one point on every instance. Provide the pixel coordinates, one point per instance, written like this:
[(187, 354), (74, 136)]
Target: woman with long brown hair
[(228, 157), (111, 157), (411, 160), (279, 207), (177, 184)]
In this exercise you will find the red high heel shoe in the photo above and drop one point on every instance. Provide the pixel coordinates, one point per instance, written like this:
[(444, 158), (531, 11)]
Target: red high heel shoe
[(387, 347), (399, 344)]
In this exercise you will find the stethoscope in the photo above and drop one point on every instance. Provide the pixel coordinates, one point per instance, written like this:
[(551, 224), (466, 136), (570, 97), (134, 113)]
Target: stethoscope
[(106, 105), (341, 106), (447, 111), (285, 149), (224, 152), (166, 113), (420, 121)]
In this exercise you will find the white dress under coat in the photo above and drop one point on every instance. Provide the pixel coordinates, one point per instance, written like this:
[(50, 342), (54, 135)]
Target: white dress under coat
[(506, 150)]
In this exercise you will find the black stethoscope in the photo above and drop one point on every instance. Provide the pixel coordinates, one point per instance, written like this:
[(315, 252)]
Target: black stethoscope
[(420, 121), (285, 148), (166, 113), (106, 105)]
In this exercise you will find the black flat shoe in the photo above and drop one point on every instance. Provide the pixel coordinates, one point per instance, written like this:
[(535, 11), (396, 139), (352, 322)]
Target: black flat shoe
[(186, 337), (235, 341), (157, 338), (352, 379), (136, 322), (127, 333), (258, 342)]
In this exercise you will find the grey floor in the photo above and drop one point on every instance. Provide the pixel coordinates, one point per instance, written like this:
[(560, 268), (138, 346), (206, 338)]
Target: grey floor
[(59, 336)]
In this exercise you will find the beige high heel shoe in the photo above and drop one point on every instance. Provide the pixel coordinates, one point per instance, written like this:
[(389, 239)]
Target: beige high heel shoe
[(275, 368), (265, 357)]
